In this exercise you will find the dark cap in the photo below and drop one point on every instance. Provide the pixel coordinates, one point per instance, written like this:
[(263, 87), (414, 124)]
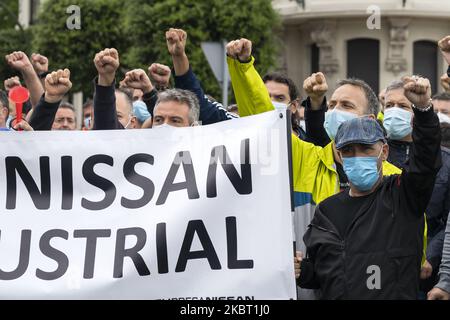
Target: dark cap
[(359, 130)]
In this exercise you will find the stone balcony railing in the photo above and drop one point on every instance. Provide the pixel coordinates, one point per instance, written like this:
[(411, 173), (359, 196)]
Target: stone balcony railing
[(297, 10)]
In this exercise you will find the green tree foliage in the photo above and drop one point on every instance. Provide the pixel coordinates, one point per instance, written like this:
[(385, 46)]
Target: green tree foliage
[(8, 13), (204, 20), (137, 29), (12, 36), (101, 27)]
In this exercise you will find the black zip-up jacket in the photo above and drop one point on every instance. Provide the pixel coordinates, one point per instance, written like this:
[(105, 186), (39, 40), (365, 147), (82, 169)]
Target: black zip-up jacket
[(386, 233), (314, 119), (438, 210), (105, 113), (399, 153), (43, 115)]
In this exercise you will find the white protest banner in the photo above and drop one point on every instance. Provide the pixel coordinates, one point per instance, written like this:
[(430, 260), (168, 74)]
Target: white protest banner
[(186, 213)]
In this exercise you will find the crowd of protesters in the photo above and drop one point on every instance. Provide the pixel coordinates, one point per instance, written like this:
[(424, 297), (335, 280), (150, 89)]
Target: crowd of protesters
[(371, 173)]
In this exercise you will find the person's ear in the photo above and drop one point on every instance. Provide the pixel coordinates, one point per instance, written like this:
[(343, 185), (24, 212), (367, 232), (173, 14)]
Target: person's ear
[(372, 116), (133, 122), (294, 106), (195, 123), (339, 157), (385, 152)]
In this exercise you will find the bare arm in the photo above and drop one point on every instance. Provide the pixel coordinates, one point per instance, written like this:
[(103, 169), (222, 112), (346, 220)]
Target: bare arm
[(20, 62)]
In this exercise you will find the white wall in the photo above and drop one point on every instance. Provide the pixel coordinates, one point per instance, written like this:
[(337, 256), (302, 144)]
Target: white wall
[(298, 40)]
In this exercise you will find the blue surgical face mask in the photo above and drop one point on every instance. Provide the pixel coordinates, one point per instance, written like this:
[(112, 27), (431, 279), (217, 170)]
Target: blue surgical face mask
[(279, 105), (163, 126), (443, 118), (334, 118), (362, 172), (8, 121), (397, 123), (129, 121), (302, 124), (87, 122)]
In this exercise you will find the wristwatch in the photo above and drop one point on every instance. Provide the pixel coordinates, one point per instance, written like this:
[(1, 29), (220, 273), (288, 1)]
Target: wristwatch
[(42, 75), (430, 105)]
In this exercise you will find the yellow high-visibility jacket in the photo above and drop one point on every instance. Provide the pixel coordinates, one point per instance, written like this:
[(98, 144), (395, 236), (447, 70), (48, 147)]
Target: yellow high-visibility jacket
[(314, 171)]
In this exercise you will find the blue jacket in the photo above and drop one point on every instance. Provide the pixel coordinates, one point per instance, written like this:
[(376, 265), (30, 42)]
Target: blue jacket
[(399, 153), (438, 209), (210, 112)]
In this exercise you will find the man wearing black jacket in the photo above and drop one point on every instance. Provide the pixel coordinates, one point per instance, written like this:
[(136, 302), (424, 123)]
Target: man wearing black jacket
[(372, 249), (113, 109), (57, 85)]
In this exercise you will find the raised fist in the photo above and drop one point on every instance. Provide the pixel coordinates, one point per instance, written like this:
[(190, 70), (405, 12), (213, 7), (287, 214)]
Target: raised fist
[(160, 74), (240, 49), (445, 82), (107, 63), (176, 41), (418, 91), (444, 45), (316, 87), (57, 84), (39, 62), (11, 83), (137, 79), (19, 61)]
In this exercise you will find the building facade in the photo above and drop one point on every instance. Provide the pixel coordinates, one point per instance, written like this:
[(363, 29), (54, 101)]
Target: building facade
[(28, 11), (377, 41)]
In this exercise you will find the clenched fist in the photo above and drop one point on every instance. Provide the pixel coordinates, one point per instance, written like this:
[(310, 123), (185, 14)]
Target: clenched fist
[(444, 45), (57, 84), (418, 91), (445, 82), (137, 79), (39, 62), (19, 61), (426, 270), (160, 74), (298, 263), (22, 125), (176, 41), (438, 294), (107, 63), (11, 83), (316, 87), (240, 50)]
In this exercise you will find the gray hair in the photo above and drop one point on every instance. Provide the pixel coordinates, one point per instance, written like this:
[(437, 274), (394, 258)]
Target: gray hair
[(394, 85), (372, 99), (184, 97), (68, 105), (443, 96), (127, 94)]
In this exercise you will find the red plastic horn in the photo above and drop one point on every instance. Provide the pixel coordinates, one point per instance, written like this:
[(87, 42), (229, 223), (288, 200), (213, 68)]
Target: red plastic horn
[(19, 95)]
